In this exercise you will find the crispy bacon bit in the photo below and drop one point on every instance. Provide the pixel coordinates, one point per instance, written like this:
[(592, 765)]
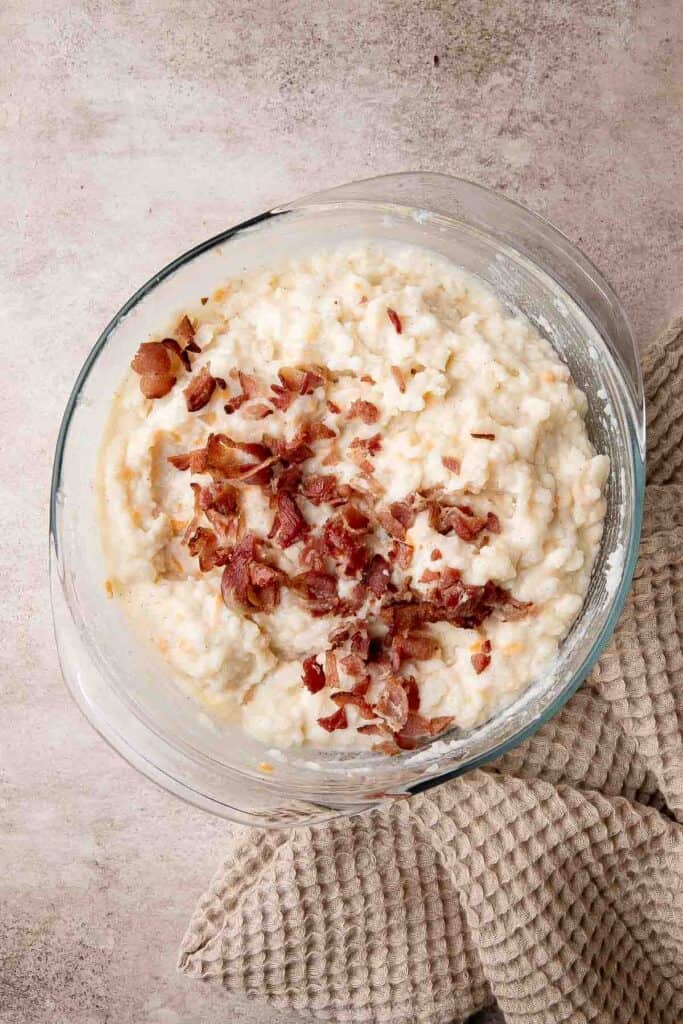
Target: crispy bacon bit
[(199, 391), (376, 729), (436, 555), (390, 522), (484, 437), (194, 460), (247, 580), (367, 445), (413, 647), (337, 720), (409, 684), (353, 665), (402, 553), (151, 358), (333, 407), (344, 697), (153, 363), (183, 355), (294, 450), (281, 397), (331, 670), (360, 642), (362, 410), (319, 589), (492, 523), (257, 411), (354, 518), (460, 519), (321, 489), (314, 676), (204, 544), (251, 385), (344, 546), (235, 403), (367, 379), (392, 704), (300, 380), (397, 373), (219, 496), (404, 512), (416, 726), (184, 331), (430, 576), (156, 385), (288, 524), (451, 463), (224, 458), (395, 319), (482, 659), (378, 577)]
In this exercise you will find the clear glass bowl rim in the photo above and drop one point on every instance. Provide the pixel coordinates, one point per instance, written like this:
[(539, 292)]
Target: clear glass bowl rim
[(181, 787)]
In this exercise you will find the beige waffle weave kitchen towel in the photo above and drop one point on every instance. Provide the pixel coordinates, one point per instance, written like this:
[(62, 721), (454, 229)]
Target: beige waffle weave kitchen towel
[(549, 882)]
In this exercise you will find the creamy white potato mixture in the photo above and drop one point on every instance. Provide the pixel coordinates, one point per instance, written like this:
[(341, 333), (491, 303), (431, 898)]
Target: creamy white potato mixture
[(432, 576)]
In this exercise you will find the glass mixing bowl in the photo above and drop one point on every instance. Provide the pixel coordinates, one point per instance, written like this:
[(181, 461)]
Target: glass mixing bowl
[(124, 688)]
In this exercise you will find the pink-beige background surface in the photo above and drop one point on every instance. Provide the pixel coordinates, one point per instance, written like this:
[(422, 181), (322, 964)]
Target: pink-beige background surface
[(132, 131)]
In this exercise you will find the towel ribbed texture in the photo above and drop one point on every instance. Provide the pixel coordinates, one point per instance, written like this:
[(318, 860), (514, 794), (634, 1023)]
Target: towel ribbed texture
[(549, 882)]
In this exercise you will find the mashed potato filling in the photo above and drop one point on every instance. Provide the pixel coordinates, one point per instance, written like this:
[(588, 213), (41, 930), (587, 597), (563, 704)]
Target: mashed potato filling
[(459, 520)]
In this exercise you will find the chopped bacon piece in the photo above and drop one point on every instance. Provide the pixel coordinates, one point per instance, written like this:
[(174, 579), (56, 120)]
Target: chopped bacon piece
[(281, 397), (353, 665), (314, 676), (151, 358), (295, 450), (194, 460), (288, 524), (345, 697), (391, 524), (484, 437), (183, 355), (397, 373), (235, 403), (430, 576), (184, 331), (333, 407), (318, 431), (376, 729), (392, 704), (331, 670), (362, 410), (337, 720), (319, 589), (344, 545), (228, 527), (417, 726), (482, 659), (314, 552), (461, 520), (402, 553), (354, 518), (360, 642), (199, 391), (367, 445), (367, 379), (492, 523), (413, 647), (404, 512), (219, 496), (451, 463), (320, 489), (288, 479), (257, 411), (436, 555), (409, 684), (156, 385), (301, 380), (378, 576), (251, 385), (245, 580), (204, 544), (395, 319), (223, 457)]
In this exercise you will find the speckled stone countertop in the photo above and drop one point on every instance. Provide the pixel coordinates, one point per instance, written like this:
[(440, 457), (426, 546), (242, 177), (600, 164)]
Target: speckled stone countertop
[(130, 132)]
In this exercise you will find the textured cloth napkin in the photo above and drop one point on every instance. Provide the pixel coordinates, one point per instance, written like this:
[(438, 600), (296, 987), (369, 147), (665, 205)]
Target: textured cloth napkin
[(549, 882)]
